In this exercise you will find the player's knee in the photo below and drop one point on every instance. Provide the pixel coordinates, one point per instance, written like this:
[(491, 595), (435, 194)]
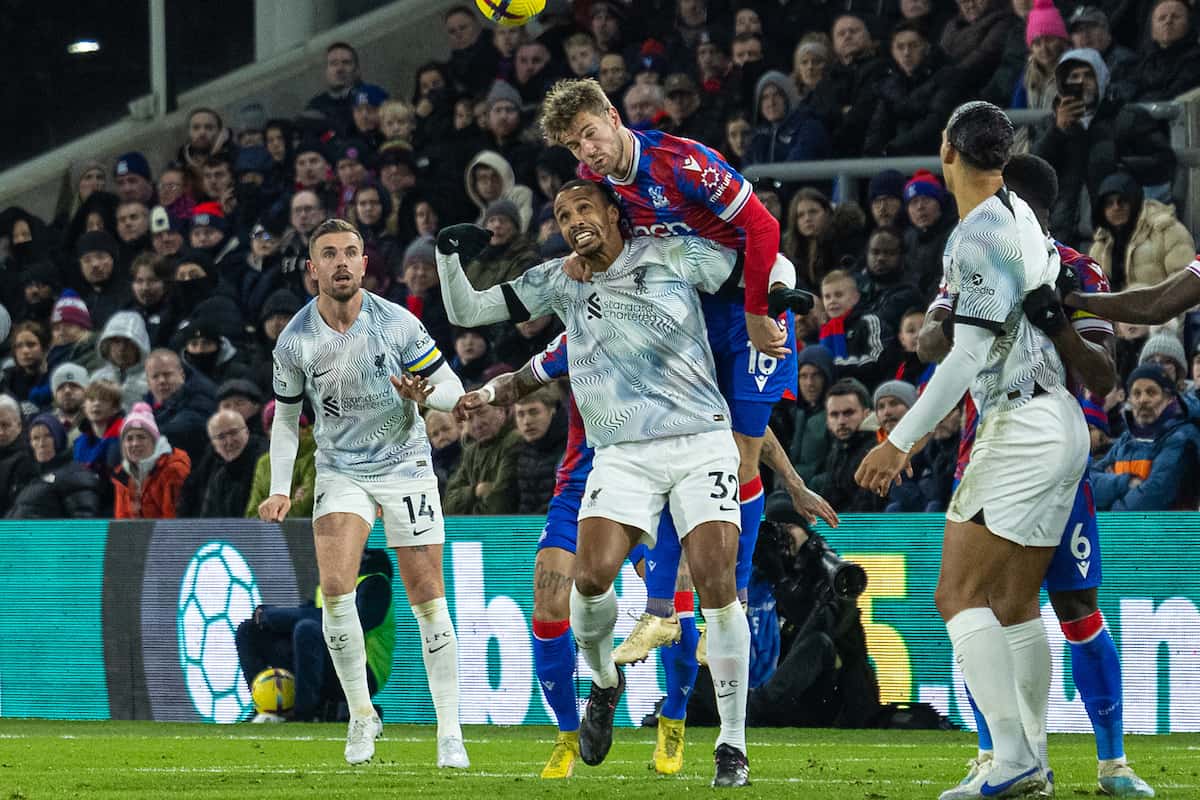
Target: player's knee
[(335, 586), (717, 588), (1014, 611), (551, 606), (1070, 606), (590, 582)]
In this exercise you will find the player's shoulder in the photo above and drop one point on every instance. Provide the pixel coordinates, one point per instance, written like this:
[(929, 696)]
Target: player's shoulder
[(386, 314), (552, 362), (685, 153), (301, 326)]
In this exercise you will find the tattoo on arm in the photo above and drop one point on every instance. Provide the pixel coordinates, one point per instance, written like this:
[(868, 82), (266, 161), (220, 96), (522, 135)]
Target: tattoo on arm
[(512, 386), (776, 459)]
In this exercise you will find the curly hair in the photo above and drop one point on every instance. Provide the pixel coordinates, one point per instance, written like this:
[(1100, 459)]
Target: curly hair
[(566, 99), (982, 134)]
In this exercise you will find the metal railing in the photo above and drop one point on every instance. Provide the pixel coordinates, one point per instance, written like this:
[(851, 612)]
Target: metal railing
[(846, 172)]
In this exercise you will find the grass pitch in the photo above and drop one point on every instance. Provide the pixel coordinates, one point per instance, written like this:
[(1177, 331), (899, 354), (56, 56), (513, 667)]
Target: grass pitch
[(49, 759)]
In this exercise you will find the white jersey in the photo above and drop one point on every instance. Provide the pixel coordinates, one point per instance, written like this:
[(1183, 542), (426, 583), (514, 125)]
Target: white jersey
[(996, 256), (364, 429), (640, 363)]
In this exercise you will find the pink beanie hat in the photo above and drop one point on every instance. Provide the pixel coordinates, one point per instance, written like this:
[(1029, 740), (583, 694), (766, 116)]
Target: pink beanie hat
[(140, 416), (1044, 20)]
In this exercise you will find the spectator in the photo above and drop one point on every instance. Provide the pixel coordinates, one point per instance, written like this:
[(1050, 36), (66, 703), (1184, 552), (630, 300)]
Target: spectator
[(1169, 63), (472, 354), (504, 131), (306, 212), (398, 178), (1046, 36), (931, 485), (207, 138), (250, 123), (1165, 351), (367, 100), (398, 122), (858, 339), (846, 410), (342, 80), (1089, 138), (349, 164), (1013, 58), (931, 220), (242, 397), (182, 401), (614, 76), (489, 177), (974, 40), (166, 232), (915, 97), (1151, 466), (67, 383), (445, 441), (419, 292), (787, 130), (686, 115), (372, 205), (312, 167), (17, 467), (533, 74), (911, 368), (845, 98), (26, 378), (71, 334), (134, 183), (508, 254), (809, 62), (1137, 240), (516, 344), (644, 106), (818, 237), (98, 446), (173, 192), (235, 455), (811, 438), (884, 194), (885, 287), (61, 489), (151, 275), (101, 290), (212, 234), (583, 56), (87, 176), (473, 58), (210, 353), (506, 40), (148, 481), (277, 311), (892, 400), (542, 425), (736, 145), (304, 471), (124, 345), (485, 481), (39, 289), (218, 182), (555, 166), (1089, 30)]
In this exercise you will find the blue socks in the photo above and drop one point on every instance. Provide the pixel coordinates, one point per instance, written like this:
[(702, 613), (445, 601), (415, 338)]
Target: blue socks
[(753, 501), (1096, 668), (662, 567), (554, 655), (679, 661)]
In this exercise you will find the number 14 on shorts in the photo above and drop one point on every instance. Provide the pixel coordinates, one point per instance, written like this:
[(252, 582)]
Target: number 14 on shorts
[(418, 506)]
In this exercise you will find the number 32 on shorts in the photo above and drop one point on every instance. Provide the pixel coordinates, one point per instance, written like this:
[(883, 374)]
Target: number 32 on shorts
[(726, 489)]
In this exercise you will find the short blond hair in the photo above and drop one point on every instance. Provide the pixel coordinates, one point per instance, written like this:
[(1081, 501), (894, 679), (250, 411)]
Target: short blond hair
[(836, 275), (397, 108), (566, 99)]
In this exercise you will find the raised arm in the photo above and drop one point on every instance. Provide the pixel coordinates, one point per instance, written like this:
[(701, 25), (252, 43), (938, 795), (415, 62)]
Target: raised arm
[(807, 502), (465, 306), (1152, 305)]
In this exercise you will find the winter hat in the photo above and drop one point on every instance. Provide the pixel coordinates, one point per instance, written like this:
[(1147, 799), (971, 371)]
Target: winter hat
[(924, 184), (421, 249), (68, 372), (1151, 372), (250, 117), (133, 163), (503, 208), (368, 94), (1044, 20), (350, 150), (310, 145), (81, 168), (140, 416), (889, 183), (240, 387), (57, 431), (903, 391), (96, 240), (253, 159), (1164, 344), (1087, 15), (820, 357), (209, 215), (280, 301), (71, 309), (43, 272), (503, 91)]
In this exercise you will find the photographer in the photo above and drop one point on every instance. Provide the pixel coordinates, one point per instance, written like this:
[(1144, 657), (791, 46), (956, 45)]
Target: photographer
[(808, 659)]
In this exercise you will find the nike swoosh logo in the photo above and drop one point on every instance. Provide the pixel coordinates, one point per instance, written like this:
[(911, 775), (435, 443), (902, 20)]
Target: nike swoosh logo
[(728, 508), (727, 694), (418, 533), (319, 374), (991, 790), (439, 647)]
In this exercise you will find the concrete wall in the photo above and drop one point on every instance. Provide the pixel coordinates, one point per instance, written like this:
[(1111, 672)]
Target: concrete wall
[(391, 42)]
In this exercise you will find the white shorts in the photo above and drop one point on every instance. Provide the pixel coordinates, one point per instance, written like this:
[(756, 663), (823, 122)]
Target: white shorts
[(412, 510), (1025, 470), (695, 474)]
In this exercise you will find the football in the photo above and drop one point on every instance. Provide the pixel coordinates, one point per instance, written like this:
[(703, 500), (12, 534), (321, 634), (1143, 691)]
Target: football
[(274, 691), (510, 13)]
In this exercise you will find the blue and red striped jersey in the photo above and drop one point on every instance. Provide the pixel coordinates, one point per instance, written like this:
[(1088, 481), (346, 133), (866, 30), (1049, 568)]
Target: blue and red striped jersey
[(548, 366)]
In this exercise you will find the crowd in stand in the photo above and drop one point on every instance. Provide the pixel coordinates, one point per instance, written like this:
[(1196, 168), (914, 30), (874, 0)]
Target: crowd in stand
[(138, 323)]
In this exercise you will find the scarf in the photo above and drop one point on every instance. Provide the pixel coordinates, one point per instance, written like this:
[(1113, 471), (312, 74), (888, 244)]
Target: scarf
[(833, 336)]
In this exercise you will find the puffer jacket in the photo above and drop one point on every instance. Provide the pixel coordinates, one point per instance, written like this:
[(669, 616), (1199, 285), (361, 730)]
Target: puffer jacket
[(132, 380), (521, 196), (1162, 456), (1159, 246), (156, 495), (537, 466), (62, 489)]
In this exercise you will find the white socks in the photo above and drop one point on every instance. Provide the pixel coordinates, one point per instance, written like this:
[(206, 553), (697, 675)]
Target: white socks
[(982, 652), (439, 649), (592, 620), (344, 639), (729, 664), (1031, 671)]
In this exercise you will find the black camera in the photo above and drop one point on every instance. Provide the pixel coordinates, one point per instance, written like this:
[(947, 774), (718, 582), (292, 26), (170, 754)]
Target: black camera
[(814, 563)]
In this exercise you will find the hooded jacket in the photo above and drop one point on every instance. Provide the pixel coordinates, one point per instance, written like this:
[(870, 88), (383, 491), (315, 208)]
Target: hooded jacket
[(811, 438), (799, 136), (520, 195), (132, 380), (1162, 456), (150, 488), (1158, 244)]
